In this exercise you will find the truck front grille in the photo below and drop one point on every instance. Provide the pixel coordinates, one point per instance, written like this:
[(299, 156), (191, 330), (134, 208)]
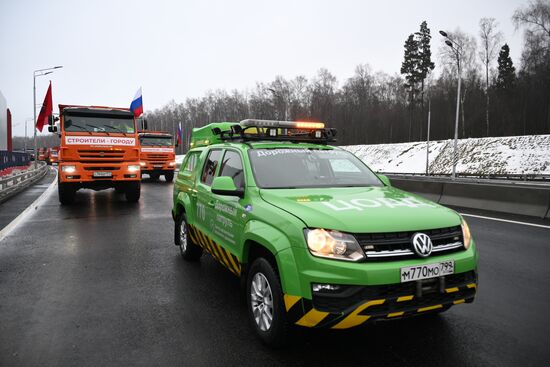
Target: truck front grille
[(397, 245), (91, 156)]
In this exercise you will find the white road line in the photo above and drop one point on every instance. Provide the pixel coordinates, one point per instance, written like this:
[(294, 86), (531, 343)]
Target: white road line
[(28, 211), (506, 220)]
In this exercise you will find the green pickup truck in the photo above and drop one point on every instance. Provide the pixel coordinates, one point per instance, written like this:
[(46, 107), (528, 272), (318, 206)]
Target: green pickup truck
[(317, 238)]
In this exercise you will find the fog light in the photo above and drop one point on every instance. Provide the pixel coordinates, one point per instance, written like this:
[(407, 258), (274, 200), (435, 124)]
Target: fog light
[(325, 287)]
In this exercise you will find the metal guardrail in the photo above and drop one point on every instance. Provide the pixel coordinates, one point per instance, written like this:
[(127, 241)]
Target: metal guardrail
[(14, 183), (485, 176)]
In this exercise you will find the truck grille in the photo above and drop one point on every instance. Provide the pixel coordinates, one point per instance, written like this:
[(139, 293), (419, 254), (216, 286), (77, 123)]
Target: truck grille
[(91, 156), (397, 245), (158, 157)]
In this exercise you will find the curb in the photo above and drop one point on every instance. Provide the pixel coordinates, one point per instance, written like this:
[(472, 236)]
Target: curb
[(28, 211)]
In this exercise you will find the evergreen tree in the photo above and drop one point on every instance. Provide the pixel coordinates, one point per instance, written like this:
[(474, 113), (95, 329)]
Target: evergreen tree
[(424, 59), (506, 71), (411, 69)]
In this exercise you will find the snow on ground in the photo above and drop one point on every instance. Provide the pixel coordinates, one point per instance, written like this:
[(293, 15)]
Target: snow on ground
[(528, 154)]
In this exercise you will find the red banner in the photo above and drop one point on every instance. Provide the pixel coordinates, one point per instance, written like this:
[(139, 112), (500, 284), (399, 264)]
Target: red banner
[(46, 110)]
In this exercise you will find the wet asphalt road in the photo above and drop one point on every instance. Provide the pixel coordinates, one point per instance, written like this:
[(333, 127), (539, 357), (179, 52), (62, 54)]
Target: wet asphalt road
[(100, 283)]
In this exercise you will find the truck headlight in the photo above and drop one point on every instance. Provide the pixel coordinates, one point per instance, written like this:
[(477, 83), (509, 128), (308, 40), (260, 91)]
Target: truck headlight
[(68, 169), (172, 163), (466, 234), (333, 245), (142, 164), (133, 168)]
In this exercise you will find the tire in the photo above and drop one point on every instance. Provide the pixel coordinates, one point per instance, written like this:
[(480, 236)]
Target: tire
[(169, 176), (154, 176), (133, 191), (264, 301), (189, 250), (66, 193)]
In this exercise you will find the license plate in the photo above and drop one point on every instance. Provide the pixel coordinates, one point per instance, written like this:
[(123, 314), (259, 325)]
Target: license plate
[(103, 174), (427, 271), (157, 166)]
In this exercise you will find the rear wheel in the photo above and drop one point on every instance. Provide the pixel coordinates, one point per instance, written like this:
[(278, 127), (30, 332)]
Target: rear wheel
[(169, 176), (265, 304), (190, 251), (133, 191), (66, 193)]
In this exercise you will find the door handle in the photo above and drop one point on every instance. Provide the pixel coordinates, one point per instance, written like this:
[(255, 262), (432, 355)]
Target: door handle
[(211, 203)]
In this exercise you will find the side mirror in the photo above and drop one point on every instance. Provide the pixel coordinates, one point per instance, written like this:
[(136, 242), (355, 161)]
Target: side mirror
[(225, 186), (384, 179)]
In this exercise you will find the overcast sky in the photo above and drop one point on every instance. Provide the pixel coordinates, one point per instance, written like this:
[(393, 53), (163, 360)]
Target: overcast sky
[(179, 49)]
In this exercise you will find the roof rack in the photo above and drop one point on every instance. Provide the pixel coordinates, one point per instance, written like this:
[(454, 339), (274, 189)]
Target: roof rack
[(272, 130)]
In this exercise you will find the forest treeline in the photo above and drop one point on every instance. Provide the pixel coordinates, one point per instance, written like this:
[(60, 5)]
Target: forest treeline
[(499, 96)]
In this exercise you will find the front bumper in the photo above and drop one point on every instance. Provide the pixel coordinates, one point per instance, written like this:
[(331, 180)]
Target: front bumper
[(84, 172), (157, 168), (372, 291)]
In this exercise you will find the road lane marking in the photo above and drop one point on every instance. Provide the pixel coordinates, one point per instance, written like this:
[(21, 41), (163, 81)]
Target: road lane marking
[(506, 220), (29, 210)]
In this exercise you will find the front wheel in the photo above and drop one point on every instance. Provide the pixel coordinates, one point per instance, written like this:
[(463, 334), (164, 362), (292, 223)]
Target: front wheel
[(190, 251), (265, 304), (66, 193), (169, 176), (133, 191)]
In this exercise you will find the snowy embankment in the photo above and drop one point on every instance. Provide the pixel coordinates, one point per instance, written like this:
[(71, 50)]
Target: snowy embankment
[(512, 155)]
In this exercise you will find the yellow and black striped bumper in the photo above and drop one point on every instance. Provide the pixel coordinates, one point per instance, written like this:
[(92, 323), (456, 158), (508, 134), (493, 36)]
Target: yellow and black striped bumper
[(223, 256), (301, 311)]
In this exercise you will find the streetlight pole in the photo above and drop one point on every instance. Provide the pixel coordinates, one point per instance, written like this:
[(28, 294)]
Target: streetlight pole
[(457, 48), (36, 73)]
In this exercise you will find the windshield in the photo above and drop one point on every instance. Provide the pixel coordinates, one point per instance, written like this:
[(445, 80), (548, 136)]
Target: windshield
[(299, 168), (163, 141), (94, 124)]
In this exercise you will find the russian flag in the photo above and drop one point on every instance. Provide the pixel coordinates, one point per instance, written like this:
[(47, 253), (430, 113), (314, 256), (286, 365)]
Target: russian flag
[(137, 104), (179, 134)]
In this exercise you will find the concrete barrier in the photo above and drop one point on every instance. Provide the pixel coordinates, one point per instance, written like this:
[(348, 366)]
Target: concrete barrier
[(514, 199)]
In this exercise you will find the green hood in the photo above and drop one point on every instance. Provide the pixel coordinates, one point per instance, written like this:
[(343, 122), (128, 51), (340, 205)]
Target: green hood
[(361, 209)]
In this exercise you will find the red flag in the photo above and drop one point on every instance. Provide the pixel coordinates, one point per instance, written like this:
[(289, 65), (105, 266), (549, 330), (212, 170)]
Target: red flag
[(46, 110)]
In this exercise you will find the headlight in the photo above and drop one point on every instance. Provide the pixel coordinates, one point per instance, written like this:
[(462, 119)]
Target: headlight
[(172, 163), (333, 244), (466, 234), (142, 163), (133, 168), (68, 169)]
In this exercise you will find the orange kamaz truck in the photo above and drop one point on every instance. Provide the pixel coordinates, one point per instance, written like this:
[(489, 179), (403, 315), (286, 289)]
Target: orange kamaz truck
[(157, 154), (99, 150), (52, 155)]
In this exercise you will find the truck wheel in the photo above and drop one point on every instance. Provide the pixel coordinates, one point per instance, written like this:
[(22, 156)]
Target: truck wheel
[(66, 193), (169, 176), (154, 176), (133, 191), (190, 251), (265, 304)]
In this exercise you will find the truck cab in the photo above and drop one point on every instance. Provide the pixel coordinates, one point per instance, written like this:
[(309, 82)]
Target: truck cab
[(157, 154), (99, 150)]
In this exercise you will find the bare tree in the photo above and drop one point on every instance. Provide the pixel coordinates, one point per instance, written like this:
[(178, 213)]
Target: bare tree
[(491, 38)]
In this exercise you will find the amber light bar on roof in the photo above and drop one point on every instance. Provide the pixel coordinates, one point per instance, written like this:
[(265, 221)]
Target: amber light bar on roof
[(282, 124)]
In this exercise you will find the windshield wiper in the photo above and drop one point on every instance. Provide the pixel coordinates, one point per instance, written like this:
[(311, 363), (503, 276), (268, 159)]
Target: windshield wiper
[(116, 129), (97, 127), (79, 126)]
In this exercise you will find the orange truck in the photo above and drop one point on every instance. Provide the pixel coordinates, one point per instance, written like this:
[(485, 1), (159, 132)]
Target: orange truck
[(157, 154), (52, 155), (99, 150), (42, 154)]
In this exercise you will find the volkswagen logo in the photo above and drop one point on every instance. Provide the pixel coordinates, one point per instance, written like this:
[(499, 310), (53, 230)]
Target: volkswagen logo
[(422, 244)]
